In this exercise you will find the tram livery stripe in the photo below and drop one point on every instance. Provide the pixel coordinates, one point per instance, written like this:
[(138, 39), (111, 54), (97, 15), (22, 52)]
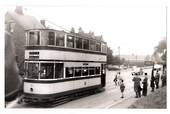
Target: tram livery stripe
[(52, 60), (59, 80), (62, 49)]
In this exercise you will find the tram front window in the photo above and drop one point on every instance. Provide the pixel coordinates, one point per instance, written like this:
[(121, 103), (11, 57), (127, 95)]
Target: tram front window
[(34, 38), (51, 37), (47, 71), (33, 70)]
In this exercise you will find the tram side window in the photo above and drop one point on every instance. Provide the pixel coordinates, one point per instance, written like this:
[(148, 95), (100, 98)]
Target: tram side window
[(79, 43), (70, 41), (98, 46), (97, 70), (85, 71), (51, 37), (59, 39), (47, 70), (59, 70), (78, 71), (69, 72), (91, 71), (92, 45), (33, 70), (34, 38), (86, 44)]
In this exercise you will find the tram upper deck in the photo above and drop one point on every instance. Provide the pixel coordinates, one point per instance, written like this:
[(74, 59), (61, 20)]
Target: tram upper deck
[(53, 44)]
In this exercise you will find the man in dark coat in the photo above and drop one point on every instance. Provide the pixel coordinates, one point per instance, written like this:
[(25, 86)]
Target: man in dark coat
[(157, 76), (163, 78), (137, 87), (152, 84), (145, 85)]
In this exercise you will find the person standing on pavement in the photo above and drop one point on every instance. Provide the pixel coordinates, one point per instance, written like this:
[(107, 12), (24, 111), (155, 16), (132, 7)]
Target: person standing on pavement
[(122, 88), (157, 76), (137, 87), (145, 85), (115, 80), (163, 78), (119, 78), (152, 84)]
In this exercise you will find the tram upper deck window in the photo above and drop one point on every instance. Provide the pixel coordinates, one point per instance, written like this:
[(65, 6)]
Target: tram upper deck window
[(85, 44), (69, 72), (92, 45), (59, 39), (51, 38), (70, 41), (34, 38), (33, 70), (79, 43), (78, 71), (47, 70), (104, 48), (98, 46), (85, 71)]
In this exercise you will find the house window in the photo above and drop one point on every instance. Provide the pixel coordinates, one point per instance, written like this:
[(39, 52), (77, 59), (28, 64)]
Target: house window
[(97, 70)]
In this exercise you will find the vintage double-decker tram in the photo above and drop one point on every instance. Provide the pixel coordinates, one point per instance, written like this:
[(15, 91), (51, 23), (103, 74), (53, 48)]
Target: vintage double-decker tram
[(59, 63)]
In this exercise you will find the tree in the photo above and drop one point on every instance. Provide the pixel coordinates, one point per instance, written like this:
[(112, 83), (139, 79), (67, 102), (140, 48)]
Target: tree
[(72, 30), (80, 30)]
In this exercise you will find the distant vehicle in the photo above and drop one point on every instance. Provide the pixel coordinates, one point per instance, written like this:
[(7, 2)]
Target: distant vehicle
[(138, 71)]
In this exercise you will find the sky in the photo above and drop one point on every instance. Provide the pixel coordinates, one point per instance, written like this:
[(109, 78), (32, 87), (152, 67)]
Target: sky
[(137, 29)]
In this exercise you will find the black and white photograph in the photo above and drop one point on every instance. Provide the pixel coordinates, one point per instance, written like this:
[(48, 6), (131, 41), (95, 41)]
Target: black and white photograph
[(85, 55)]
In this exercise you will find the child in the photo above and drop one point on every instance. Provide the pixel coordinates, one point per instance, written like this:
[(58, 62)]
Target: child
[(122, 88)]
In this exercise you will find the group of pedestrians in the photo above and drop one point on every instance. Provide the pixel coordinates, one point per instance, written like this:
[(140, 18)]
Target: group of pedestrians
[(137, 86), (155, 80), (154, 83), (118, 80)]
